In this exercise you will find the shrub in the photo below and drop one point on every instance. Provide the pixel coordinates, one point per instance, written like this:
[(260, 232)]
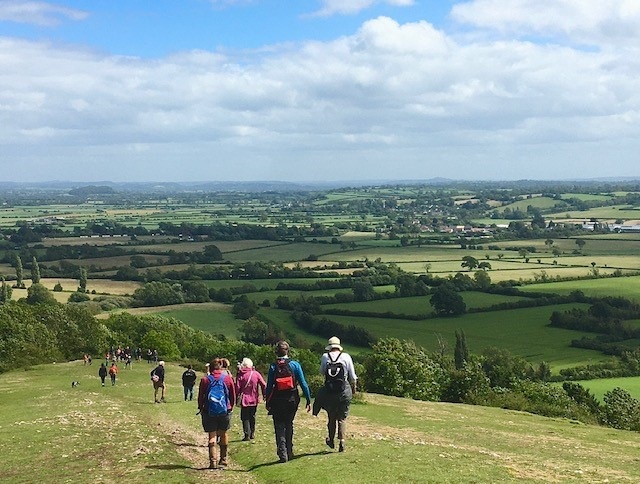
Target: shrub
[(621, 410)]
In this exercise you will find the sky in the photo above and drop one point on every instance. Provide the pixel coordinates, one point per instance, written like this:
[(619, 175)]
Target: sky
[(319, 90)]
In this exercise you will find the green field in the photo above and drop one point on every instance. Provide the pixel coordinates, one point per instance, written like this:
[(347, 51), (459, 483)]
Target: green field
[(601, 386), (420, 304), (628, 287)]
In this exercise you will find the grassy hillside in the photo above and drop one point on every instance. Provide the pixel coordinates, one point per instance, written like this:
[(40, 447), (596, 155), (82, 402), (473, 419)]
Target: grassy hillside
[(52, 432)]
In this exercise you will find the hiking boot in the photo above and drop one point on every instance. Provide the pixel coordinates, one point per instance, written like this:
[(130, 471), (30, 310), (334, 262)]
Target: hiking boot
[(223, 456), (330, 443), (213, 459), (245, 438), (162, 400), (341, 448)]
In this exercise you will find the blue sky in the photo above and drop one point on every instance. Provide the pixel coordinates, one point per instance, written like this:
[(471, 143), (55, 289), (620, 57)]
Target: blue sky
[(323, 90)]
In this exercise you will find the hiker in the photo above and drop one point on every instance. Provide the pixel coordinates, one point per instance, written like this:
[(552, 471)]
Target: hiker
[(189, 378), (102, 372), (113, 373), (216, 396), (283, 398), (249, 385), (157, 377), (335, 396)]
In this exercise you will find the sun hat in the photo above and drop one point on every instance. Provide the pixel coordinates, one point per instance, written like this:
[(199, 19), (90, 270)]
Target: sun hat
[(247, 363), (334, 343)]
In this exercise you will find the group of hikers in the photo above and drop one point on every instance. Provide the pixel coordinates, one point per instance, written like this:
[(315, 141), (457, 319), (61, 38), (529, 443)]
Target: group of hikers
[(218, 393)]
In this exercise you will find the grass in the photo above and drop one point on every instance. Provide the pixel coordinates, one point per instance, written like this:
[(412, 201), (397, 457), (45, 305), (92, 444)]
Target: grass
[(95, 434), (523, 332), (628, 287), (601, 386)]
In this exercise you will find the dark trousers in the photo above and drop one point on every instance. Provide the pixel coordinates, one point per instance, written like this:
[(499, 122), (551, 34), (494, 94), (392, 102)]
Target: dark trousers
[(188, 392), (283, 426), (248, 417)]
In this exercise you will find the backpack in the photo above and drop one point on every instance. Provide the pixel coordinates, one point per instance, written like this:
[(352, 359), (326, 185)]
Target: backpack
[(334, 375), (284, 379), (217, 396)]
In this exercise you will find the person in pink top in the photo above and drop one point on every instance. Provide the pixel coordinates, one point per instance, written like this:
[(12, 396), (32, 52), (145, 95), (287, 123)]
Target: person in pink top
[(250, 385)]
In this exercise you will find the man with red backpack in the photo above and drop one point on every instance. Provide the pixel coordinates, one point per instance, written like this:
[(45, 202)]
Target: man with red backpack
[(283, 398), (216, 396)]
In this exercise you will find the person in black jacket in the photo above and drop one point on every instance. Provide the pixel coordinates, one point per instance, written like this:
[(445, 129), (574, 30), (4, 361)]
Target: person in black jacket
[(102, 373), (188, 381)]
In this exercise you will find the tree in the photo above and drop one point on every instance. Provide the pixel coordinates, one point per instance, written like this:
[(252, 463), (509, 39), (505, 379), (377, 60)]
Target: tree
[(484, 266), (78, 297), (157, 294), (5, 292), (460, 352), (580, 243), (402, 369), (82, 280), (482, 279), (211, 253), (469, 262), (523, 252), (446, 301), (621, 410), (38, 294), (363, 291), (35, 271), (548, 242), (19, 273)]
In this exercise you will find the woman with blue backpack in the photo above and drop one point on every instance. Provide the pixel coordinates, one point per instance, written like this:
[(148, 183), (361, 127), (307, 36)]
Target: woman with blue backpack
[(216, 396)]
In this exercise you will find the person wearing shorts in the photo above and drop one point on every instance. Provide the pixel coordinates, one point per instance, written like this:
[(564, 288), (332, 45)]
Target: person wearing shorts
[(157, 377), (216, 425)]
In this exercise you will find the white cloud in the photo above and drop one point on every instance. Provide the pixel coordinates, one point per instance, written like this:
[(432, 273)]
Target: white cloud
[(590, 22), (38, 13), (392, 100), (348, 7)]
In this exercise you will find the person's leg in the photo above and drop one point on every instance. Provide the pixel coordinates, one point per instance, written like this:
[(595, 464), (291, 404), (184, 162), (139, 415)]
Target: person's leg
[(191, 393), (280, 426), (252, 421), (289, 435), (163, 392), (213, 457), (246, 426), (331, 428), (224, 443), (342, 433), (155, 392), (186, 392)]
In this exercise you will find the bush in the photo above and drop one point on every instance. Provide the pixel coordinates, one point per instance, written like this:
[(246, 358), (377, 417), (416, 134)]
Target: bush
[(78, 297), (402, 369), (621, 410)]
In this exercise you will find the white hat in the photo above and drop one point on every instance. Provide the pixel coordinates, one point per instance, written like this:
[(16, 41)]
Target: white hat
[(161, 363), (247, 363), (334, 343)]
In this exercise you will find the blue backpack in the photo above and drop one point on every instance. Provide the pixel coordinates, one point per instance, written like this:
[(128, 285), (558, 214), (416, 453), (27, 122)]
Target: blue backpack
[(218, 396)]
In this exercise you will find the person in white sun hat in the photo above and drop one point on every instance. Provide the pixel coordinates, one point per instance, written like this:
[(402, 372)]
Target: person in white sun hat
[(335, 396)]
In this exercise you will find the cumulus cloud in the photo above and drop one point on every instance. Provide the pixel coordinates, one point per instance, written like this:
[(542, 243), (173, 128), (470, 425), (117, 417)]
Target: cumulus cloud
[(403, 100), (601, 21), (347, 7), (38, 13)]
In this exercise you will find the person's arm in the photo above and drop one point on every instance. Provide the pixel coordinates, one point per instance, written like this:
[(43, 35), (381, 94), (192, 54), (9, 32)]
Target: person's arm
[(324, 359), (261, 384), (202, 392), (302, 382), (351, 373), (232, 390), (270, 378)]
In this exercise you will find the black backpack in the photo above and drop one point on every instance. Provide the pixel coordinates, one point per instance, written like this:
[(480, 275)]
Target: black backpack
[(335, 375)]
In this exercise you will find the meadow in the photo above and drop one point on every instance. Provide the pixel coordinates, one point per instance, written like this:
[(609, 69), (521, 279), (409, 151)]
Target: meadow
[(94, 434)]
